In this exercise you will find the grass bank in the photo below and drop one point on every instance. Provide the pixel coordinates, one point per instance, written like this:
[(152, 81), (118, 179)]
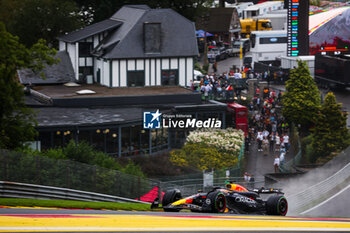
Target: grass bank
[(74, 204)]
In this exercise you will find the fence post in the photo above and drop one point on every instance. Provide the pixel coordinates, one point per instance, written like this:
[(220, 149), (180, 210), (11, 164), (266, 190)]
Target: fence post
[(68, 174), (159, 191), (138, 191), (37, 161), (5, 164)]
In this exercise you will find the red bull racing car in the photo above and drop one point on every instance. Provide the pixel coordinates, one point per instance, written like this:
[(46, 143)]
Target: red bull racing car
[(233, 198)]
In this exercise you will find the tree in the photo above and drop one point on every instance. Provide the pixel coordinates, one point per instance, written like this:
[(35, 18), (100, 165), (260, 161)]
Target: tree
[(35, 19), (301, 101), (209, 149), (202, 157), (103, 9), (16, 120), (330, 134)]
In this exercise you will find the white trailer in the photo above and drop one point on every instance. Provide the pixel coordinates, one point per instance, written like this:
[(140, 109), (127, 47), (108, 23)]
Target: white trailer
[(268, 45), (292, 62)]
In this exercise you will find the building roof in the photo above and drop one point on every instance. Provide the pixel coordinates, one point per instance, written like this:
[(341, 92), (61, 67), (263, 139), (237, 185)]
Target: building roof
[(56, 74), (127, 41), (90, 30), (70, 117), (220, 20), (178, 37)]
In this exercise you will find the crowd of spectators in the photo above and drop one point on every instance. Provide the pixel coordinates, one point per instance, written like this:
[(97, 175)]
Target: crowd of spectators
[(213, 86), (268, 128), (228, 85)]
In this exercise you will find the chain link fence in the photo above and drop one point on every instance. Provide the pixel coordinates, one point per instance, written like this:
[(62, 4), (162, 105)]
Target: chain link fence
[(46, 171), (42, 170)]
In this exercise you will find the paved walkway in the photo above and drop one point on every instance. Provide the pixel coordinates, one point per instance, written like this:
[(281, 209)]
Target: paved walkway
[(256, 163)]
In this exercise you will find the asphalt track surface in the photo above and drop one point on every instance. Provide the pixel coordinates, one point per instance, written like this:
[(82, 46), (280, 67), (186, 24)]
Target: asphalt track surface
[(60, 220), (315, 21)]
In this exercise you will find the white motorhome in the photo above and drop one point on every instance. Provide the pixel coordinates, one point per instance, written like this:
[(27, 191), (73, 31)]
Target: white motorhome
[(268, 45), (262, 8)]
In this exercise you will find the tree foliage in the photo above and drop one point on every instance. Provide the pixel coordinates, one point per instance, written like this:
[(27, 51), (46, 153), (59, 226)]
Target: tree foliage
[(16, 120), (330, 134), (83, 152), (32, 20), (301, 101), (206, 149), (103, 9), (202, 157)]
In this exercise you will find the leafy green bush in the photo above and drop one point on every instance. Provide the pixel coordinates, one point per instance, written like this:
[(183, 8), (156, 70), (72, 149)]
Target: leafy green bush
[(83, 152)]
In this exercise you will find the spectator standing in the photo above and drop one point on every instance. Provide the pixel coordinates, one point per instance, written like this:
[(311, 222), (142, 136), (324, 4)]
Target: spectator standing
[(277, 142), (272, 141), (276, 163), (259, 138), (266, 133), (215, 66), (286, 142), (265, 144)]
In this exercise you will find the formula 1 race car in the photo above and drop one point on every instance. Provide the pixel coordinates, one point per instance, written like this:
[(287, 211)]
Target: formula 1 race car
[(234, 198)]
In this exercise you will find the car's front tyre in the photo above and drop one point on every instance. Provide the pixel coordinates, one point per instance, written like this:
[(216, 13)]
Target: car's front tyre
[(170, 197)]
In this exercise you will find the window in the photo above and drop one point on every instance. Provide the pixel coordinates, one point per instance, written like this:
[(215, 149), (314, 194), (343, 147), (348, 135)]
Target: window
[(170, 78), (85, 73), (136, 78), (266, 25), (152, 37), (85, 49), (273, 40)]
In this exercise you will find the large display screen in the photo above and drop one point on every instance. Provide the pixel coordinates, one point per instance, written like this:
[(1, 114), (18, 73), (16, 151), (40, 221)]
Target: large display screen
[(329, 27), (325, 31)]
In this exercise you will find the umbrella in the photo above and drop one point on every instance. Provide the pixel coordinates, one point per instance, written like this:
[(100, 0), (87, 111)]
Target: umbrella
[(200, 33)]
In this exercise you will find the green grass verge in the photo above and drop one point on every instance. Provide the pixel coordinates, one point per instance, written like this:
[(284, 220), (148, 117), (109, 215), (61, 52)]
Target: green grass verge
[(74, 204)]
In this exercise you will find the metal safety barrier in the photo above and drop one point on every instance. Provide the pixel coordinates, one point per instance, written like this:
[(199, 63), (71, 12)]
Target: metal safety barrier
[(318, 192), (32, 191)]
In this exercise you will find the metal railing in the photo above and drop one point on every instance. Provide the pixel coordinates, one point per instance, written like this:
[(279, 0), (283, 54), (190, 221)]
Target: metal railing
[(318, 192), (21, 190)]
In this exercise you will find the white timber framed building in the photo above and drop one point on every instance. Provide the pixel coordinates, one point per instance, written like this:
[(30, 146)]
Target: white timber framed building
[(138, 46)]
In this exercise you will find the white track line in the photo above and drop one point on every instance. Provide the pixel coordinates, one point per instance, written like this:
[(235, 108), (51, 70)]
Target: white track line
[(170, 229), (325, 200)]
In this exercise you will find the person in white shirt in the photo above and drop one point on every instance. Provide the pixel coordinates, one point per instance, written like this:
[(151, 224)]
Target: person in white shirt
[(277, 142), (286, 141), (266, 133), (259, 138)]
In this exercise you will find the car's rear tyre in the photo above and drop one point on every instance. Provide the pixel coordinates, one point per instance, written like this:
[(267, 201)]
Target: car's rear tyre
[(170, 197), (217, 202), (277, 205)]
